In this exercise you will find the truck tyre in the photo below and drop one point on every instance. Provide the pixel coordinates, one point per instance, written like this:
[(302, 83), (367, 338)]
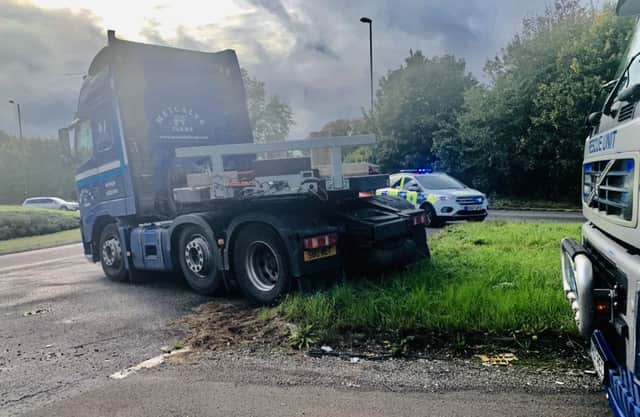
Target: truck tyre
[(195, 252), (111, 257), (260, 264)]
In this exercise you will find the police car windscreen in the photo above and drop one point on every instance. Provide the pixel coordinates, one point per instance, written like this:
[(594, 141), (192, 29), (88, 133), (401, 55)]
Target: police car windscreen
[(439, 182)]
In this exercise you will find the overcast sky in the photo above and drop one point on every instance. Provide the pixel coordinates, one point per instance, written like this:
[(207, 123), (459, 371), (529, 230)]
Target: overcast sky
[(314, 54)]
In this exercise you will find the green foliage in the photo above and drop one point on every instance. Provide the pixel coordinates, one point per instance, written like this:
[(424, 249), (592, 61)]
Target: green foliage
[(415, 103), (303, 337), (348, 127), (523, 135), (494, 277), (16, 221), (271, 118), (33, 167)]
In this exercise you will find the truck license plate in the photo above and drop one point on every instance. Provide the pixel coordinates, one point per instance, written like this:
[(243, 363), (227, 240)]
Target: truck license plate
[(313, 254), (598, 362), (472, 208)]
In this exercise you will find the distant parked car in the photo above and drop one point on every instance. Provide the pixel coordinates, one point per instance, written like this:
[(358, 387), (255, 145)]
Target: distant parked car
[(50, 203)]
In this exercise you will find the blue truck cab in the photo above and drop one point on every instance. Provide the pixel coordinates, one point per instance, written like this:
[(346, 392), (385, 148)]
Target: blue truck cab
[(138, 105)]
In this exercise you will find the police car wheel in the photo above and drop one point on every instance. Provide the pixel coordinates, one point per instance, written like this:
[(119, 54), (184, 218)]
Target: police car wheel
[(431, 219)]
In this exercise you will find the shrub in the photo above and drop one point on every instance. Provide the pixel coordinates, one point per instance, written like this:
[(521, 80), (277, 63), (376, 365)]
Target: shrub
[(16, 221)]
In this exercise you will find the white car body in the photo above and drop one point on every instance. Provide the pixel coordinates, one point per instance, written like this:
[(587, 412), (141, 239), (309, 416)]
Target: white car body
[(54, 203), (443, 197)]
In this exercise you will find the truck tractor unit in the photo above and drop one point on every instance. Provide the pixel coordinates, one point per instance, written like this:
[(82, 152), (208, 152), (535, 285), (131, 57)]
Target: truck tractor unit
[(601, 275), (169, 179)]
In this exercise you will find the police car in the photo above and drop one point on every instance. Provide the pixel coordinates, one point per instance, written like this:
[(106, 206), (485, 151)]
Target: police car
[(443, 198)]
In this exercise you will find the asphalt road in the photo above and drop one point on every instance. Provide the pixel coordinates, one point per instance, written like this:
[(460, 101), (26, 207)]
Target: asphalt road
[(65, 329), (536, 216)]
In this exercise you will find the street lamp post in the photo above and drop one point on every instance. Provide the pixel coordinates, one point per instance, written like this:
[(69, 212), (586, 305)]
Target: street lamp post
[(19, 116), (370, 23), (26, 177)]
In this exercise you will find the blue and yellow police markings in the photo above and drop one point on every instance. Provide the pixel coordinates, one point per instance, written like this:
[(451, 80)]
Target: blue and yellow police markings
[(412, 197)]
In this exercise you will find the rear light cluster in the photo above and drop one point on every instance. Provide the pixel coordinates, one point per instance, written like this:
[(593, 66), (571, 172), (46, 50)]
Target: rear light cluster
[(420, 219), (320, 241)]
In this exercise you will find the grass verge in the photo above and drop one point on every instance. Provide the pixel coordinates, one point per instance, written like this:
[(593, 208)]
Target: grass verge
[(494, 278), (17, 221), (39, 242)]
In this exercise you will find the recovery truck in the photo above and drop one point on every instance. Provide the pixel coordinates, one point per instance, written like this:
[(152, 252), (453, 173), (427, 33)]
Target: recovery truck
[(601, 275), (169, 179)]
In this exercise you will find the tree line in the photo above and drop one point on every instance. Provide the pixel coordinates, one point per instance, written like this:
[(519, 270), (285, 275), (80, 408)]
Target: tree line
[(33, 167)]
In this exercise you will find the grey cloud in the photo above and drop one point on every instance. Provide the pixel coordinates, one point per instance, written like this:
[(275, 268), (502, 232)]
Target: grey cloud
[(322, 48), (274, 7), (43, 52)]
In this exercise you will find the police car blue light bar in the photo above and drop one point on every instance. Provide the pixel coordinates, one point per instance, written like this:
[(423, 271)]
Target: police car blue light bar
[(417, 171)]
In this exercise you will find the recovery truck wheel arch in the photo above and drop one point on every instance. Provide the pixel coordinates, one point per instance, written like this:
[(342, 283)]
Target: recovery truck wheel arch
[(180, 222)]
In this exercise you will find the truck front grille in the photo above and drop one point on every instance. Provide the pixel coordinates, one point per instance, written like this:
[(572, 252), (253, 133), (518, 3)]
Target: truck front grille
[(608, 187), (470, 200)]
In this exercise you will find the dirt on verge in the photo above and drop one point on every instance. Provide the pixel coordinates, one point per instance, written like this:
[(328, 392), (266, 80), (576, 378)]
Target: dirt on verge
[(232, 324), (228, 324)]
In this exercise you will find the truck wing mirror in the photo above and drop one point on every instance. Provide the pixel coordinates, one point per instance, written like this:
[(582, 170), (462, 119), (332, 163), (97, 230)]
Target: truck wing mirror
[(63, 137), (628, 8), (630, 94), (594, 119)]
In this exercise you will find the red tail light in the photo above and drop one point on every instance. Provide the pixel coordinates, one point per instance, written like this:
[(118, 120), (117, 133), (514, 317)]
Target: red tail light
[(320, 241), (420, 219)]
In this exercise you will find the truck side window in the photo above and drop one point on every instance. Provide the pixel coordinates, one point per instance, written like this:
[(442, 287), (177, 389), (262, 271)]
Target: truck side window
[(102, 135), (84, 142)]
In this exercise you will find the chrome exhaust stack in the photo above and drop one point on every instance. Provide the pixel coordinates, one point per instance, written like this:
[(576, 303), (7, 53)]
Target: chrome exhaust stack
[(577, 282)]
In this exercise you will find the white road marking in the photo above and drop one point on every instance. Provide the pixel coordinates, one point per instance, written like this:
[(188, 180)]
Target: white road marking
[(149, 363)]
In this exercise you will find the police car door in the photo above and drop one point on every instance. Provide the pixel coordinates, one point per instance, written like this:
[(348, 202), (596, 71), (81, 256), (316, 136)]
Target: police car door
[(411, 190)]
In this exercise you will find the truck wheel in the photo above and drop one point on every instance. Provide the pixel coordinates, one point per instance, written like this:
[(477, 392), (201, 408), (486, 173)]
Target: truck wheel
[(195, 251), (111, 257), (260, 264)]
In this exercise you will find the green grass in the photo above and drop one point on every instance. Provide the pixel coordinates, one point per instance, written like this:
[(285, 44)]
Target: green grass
[(17, 221), (517, 203), (39, 242), (493, 277)]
